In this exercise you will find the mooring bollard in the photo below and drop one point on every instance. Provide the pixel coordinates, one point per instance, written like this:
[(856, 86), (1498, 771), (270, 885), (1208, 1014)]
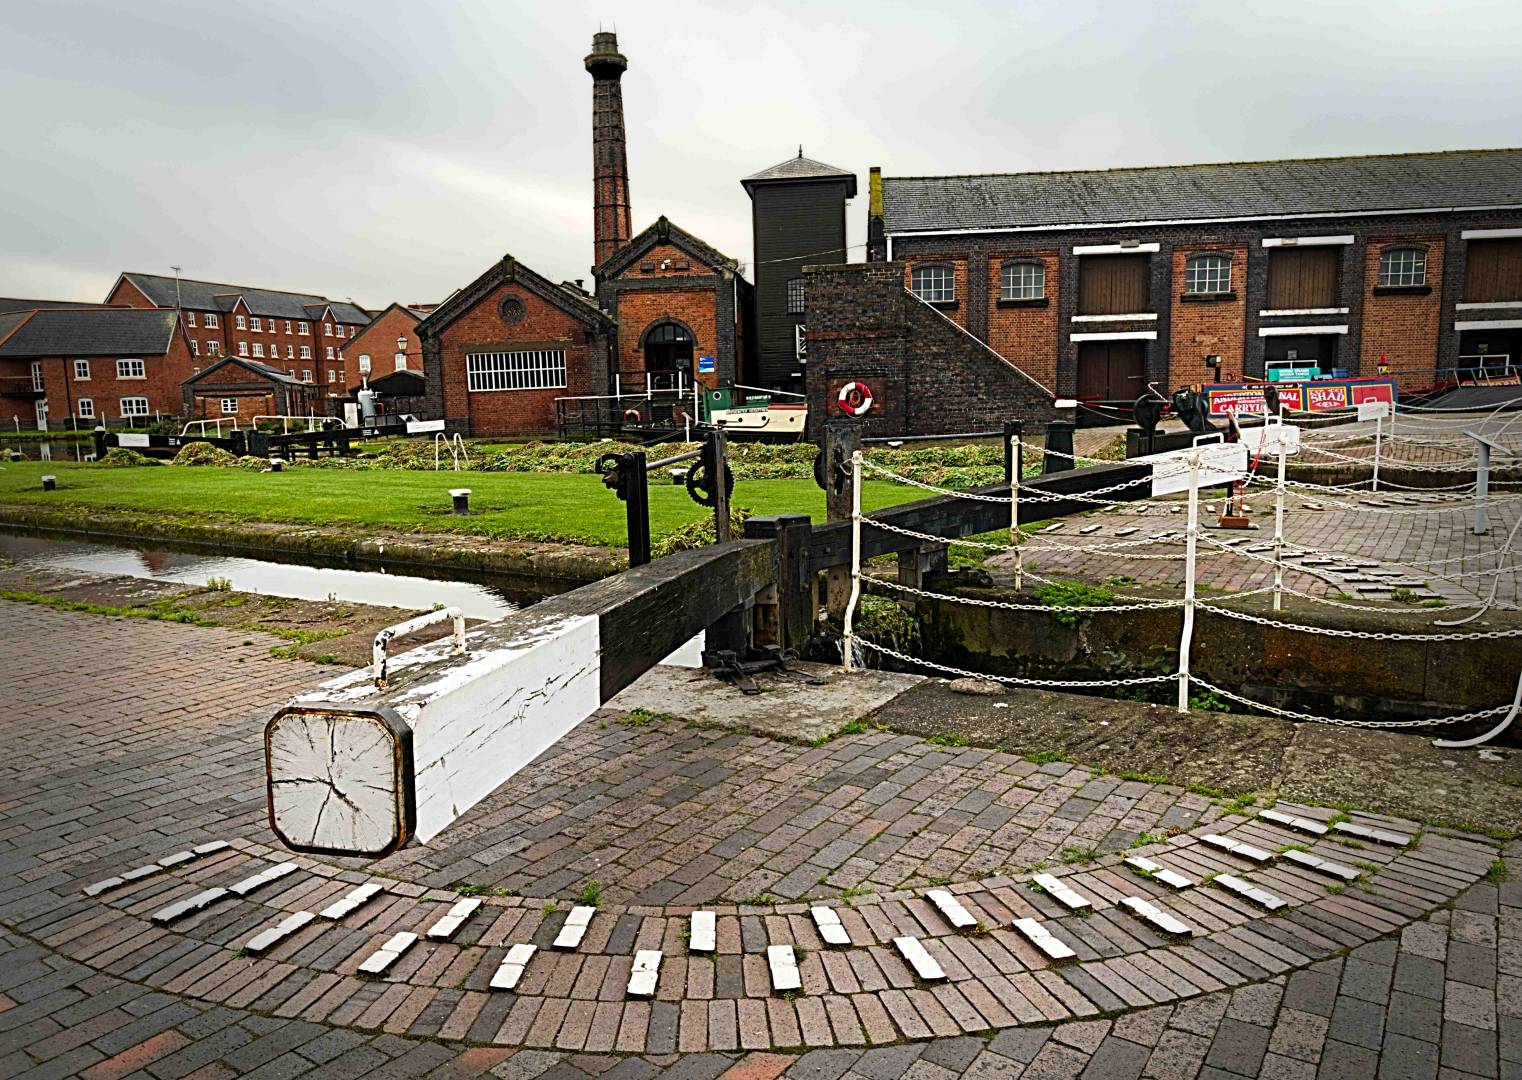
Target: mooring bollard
[(1059, 446), (276, 464), (461, 497), (50, 483)]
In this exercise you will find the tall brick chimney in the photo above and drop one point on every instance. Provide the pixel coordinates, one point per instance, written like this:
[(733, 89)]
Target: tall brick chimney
[(610, 160)]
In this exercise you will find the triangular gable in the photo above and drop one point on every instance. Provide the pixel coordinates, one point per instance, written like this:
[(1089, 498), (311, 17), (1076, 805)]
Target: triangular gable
[(265, 371), (664, 231), (510, 271), (359, 335)]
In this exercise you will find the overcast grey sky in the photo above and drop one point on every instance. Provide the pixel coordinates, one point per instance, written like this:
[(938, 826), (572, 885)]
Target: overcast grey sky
[(391, 151)]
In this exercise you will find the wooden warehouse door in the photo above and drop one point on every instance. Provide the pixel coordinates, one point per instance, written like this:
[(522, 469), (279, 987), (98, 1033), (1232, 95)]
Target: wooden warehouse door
[(1112, 285), (1111, 370), (1300, 278)]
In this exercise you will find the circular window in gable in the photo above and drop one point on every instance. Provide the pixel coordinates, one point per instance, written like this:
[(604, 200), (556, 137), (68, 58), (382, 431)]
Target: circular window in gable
[(511, 309)]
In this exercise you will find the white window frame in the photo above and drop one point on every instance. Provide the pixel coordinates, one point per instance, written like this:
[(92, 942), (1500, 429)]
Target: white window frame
[(240, 322), (330, 352), (242, 348), (132, 413), (81, 371), (37, 381), (332, 376), (529, 369), (1411, 273), (306, 352), (259, 349), (1216, 272), (288, 326), (339, 330), (195, 347), (399, 361), (213, 347), (229, 401), (190, 318), (327, 329), (211, 320), (256, 323), (303, 328), (125, 370), (1014, 287), (306, 375), (942, 291), (85, 407), (290, 352)]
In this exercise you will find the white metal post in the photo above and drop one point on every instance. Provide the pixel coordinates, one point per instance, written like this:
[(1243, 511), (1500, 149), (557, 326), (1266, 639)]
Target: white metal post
[(1191, 536), (1379, 434), (1279, 523), (848, 639), (1481, 488), (1014, 513)]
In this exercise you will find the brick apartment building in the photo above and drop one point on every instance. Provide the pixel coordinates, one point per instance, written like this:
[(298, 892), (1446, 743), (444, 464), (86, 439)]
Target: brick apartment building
[(300, 333), (1095, 283), (79, 367)]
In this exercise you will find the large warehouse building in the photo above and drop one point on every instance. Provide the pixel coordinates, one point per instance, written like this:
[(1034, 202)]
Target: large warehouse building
[(1095, 283)]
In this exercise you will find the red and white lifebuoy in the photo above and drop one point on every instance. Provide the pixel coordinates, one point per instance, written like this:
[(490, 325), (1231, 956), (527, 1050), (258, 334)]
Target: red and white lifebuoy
[(631, 415), (854, 399)]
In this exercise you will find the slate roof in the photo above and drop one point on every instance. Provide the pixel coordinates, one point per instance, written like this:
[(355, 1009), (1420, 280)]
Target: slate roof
[(101, 331), (1261, 189), (12, 303), (216, 296), (801, 168), (662, 231), (268, 372)]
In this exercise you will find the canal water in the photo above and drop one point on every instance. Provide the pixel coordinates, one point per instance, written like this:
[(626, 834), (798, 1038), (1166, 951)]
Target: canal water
[(408, 589)]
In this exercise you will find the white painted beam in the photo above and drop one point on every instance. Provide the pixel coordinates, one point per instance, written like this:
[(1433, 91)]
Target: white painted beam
[(1115, 335), (1295, 331), (1308, 241), (1488, 324), (1489, 234), (1117, 249)]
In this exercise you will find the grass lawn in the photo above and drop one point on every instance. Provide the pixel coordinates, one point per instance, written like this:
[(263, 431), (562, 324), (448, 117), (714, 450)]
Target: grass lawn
[(530, 506)]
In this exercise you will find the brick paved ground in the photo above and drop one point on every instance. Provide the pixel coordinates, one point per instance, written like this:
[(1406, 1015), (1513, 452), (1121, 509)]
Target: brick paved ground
[(126, 741)]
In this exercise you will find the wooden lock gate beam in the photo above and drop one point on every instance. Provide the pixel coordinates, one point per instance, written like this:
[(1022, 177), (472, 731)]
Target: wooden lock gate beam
[(352, 769)]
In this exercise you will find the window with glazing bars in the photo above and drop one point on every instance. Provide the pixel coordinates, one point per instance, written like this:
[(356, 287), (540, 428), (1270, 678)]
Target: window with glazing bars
[(1403, 266), (534, 369), (933, 284), (1207, 274), (795, 296), (1022, 281)]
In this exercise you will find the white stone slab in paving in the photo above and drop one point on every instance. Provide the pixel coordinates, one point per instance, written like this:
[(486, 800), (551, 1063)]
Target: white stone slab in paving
[(262, 878), (141, 872), (95, 888), (1261, 897), (1237, 848), (784, 967), (645, 973), (512, 967), (831, 929), (1379, 836), (575, 928), (274, 935), (176, 859), (187, 906), (1044, 939), (950, 907), (1151, 913), (1322, 866), (702, 932), (351, 901), (452, 920), (210, 848), (388, 954), (924, 965), (1293, 821), (1171, 878), (1064, 893)]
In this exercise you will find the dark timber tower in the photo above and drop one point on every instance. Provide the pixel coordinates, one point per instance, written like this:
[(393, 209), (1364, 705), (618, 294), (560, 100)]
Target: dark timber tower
[(610, 160)]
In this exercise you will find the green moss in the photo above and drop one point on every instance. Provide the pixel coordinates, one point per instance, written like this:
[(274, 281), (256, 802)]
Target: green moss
[(1072, 594)]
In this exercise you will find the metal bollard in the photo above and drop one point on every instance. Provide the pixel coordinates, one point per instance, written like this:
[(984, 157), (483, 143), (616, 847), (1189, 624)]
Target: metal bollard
[(50, 483), (461, 497), (1059, 445)]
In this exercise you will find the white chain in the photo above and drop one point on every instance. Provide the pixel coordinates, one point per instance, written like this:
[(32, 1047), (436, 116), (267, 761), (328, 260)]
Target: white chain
[(1011, 679), (1149, 605), (1362, 635), (1339, 722)]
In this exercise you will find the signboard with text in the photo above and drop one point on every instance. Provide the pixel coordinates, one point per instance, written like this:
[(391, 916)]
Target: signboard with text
[(1321, 395)]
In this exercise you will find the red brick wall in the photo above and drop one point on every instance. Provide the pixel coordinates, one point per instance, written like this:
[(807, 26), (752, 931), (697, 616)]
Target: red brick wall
[(379, 341), (160, 384), (1404, 327), (1025, 334), (513, 412), (639, 309), (1204, 327), (680, 263), (956, 312)]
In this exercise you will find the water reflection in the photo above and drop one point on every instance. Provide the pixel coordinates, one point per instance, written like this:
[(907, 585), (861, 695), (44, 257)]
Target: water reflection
[(303, 582)]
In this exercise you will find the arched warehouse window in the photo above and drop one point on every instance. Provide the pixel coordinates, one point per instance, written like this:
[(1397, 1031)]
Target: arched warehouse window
[(1022, 280), (934, 284)]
